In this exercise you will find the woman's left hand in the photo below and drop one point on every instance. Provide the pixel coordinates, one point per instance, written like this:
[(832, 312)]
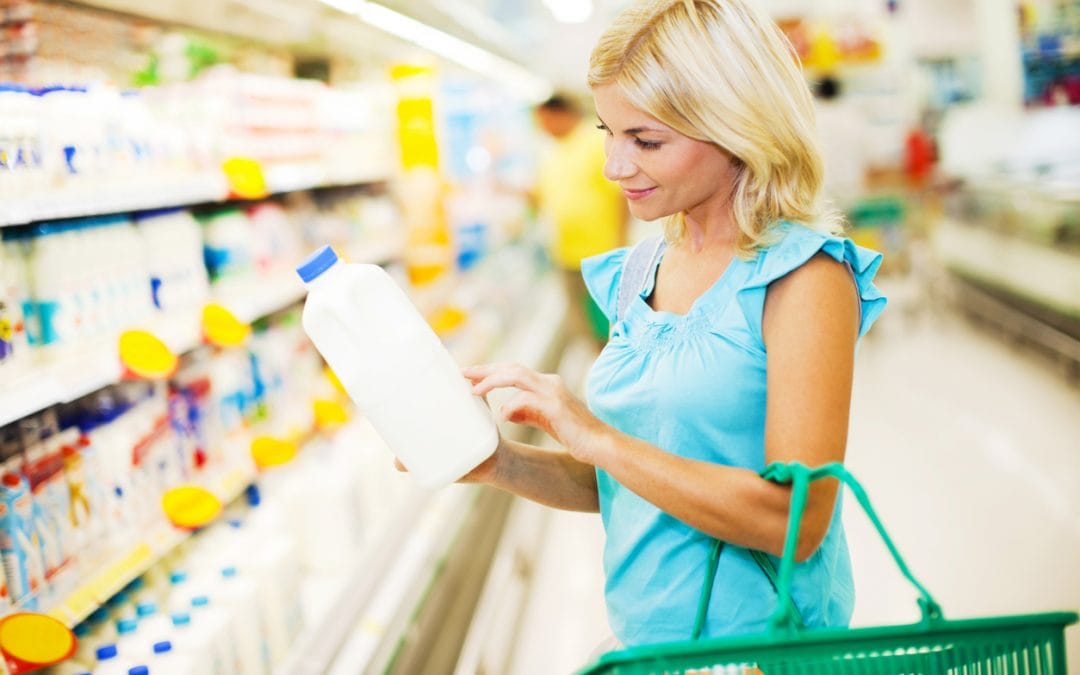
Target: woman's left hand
[(542, 401)]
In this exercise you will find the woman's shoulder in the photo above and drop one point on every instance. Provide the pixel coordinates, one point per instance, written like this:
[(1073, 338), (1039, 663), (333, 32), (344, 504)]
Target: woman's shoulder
[(794, 245), (602, 274)]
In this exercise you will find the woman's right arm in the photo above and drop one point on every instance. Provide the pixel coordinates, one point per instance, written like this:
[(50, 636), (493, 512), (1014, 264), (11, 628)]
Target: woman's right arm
[(550, 477)]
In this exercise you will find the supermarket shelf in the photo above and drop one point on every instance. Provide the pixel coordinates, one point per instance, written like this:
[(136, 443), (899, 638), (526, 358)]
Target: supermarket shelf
[(127, 198), (110, 576), (118, 199), (1044, 275), (97, 365)]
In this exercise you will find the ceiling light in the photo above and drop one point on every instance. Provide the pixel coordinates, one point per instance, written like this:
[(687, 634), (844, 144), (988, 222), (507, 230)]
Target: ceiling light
[(510, 74), (570, 11)]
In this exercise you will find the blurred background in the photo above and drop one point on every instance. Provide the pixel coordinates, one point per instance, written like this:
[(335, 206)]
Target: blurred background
[(160, 157)]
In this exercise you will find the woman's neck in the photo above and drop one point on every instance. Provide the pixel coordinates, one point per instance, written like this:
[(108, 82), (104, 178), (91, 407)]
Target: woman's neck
[(710, 233)]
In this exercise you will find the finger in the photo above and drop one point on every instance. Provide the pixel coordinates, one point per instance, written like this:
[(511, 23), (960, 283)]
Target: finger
[(524, 408), (482, 370), (515, 376)]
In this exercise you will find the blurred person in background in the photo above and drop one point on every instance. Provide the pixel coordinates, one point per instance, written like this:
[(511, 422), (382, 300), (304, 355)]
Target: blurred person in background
[(586, 212), (842, 130), (732, 342)]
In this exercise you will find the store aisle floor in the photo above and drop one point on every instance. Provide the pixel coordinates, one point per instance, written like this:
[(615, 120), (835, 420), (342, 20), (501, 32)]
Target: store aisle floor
[(970, 451)]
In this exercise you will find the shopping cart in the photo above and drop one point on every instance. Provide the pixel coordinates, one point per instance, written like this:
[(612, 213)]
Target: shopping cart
[(1029, 645)]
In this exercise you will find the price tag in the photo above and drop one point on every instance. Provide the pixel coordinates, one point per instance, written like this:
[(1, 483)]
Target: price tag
[(190, 506), (33, 641), (145, 355), (246, 179), (221, 327), (268, 451), (329, 413)]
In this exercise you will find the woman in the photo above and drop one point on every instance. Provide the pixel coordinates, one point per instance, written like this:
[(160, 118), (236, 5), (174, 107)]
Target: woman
[(735, 349)]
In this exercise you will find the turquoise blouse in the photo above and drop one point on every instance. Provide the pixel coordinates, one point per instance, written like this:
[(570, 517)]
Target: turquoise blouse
[(694, 385)]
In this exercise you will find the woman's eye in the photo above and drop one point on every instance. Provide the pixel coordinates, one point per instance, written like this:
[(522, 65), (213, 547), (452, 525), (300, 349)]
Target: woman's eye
[(603, 128), (646, 145)]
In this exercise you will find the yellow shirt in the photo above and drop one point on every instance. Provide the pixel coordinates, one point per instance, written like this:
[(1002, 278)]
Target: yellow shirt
[(586, 210)]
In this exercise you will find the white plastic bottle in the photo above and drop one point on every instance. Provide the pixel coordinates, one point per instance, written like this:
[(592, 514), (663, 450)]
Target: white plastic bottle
[(395, 369), (154, 626), (168, 661), (196, 645), (240, 595), (213, 620), (109, 662)]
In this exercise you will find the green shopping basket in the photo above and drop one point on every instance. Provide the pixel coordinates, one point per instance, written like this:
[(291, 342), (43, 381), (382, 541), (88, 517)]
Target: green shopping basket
[(1030, 645)]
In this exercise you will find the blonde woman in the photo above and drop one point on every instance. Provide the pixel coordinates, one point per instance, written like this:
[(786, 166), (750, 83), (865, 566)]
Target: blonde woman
[(732, 339)]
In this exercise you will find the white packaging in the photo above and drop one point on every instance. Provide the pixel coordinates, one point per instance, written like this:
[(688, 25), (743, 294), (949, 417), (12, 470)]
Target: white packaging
[(166, 660), (197, 645), (395, 369), (240, 595), (109, 662), (207, 617), (154, 626)]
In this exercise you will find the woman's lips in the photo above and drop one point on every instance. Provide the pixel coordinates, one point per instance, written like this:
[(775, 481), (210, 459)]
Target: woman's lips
[(638, 194)]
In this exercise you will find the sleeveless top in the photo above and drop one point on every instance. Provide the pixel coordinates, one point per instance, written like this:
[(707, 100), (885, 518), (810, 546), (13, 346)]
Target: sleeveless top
[(694, 385)]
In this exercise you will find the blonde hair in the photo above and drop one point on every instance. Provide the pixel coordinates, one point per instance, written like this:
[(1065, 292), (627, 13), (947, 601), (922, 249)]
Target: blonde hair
[(721, 71)]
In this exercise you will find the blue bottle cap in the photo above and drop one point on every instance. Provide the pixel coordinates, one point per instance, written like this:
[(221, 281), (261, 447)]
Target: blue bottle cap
[(144, 609), (125, 626), (317, 263), (181, 619), (106, 652)]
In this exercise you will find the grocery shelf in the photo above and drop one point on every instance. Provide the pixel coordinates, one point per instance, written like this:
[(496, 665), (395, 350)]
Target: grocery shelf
[(96, 365), (1043, 274), (188, 191), (60, 204), (106, 578)]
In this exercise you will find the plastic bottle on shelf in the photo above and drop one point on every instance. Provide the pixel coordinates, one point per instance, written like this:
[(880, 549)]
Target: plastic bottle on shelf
[(196, 645), (395, 369), (110, 662), (24, 568), (275, 574), (240, 595), (154, 626), (51, 283), (207, 616), (13, 345), (166, 660), (44, 470), (130, 642)]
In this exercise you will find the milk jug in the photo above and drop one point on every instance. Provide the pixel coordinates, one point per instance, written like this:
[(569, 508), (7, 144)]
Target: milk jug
[(395, 369)]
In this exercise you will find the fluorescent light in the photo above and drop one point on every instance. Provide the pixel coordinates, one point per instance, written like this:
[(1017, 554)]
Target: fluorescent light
[(511, 75), (570, 11)]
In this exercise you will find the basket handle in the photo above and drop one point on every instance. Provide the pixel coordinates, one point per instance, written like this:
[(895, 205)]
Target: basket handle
[(800, 476)]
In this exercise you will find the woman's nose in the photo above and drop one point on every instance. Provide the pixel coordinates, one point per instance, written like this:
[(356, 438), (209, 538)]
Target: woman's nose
[(618, 166)]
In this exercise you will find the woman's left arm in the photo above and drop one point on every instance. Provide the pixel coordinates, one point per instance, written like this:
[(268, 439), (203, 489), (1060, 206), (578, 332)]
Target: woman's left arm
[(810, 326)]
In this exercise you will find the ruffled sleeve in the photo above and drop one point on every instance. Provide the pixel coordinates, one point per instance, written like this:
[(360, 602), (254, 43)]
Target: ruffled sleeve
[(602, 274), (798, 246)]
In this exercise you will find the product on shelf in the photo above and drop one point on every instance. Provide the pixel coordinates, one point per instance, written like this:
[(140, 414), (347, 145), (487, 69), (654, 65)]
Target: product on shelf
[(395, 369), (174, 249)]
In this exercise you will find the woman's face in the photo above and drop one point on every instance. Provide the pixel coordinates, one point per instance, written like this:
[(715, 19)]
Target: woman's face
[(660, 171)]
